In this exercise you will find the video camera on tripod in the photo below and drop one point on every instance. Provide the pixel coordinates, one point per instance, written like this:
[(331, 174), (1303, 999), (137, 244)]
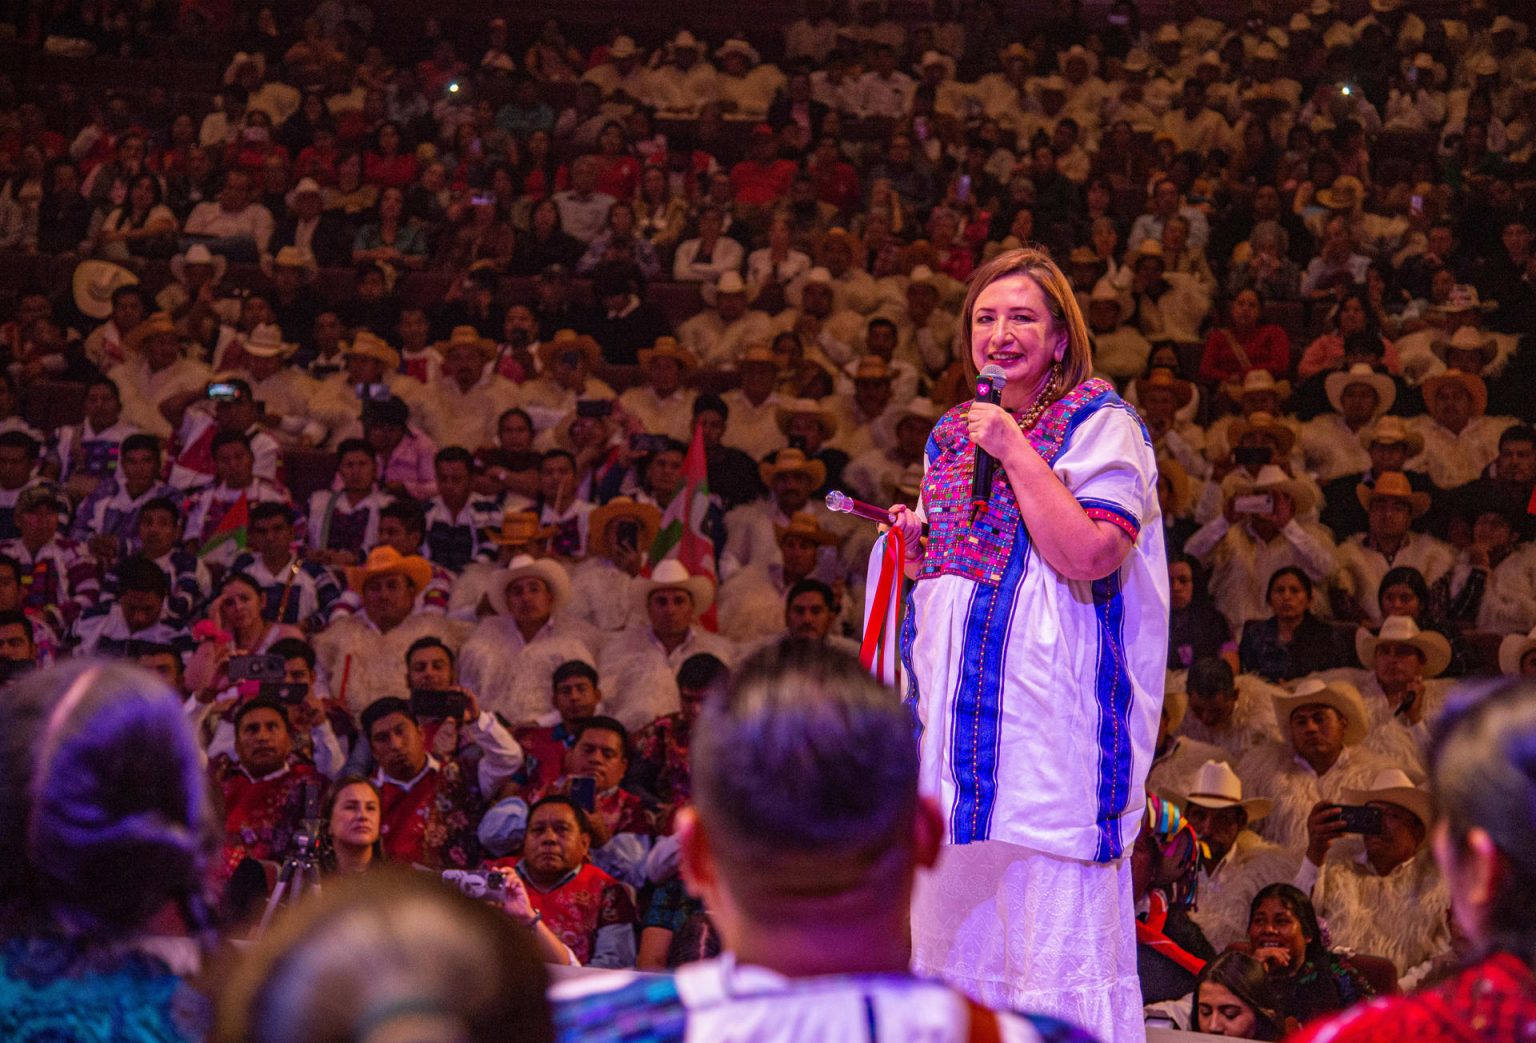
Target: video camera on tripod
[(301, 866)]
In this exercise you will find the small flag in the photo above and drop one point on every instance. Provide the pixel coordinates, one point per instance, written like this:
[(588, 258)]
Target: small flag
[(681, 534), (231, 529)]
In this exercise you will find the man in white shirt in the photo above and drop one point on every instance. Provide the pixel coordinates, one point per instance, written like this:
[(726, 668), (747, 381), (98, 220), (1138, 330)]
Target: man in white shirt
[(753, 424), (884, 92), (1459, 438), (236, 226), (720, 334), (462, 406), (583, 209)]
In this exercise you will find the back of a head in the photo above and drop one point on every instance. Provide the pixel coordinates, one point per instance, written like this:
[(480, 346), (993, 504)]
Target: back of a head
[(804, 772), (388, 955), (1483, 775), (102, 799)]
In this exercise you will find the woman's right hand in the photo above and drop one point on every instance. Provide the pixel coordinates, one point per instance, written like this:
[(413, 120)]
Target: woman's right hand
[(906, 521), (1274, 958)]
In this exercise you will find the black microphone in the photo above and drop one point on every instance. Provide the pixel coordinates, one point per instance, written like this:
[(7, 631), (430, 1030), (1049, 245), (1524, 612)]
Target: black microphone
[(989, 388)]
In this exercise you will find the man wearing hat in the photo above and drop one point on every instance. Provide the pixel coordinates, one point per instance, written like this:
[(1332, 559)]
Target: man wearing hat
[(722, 332), (1460, 439), (1193, 125), (154, 372), (639, 665), (234, 225), (662, 405), (925, 331), (1169, 306), (620, 534), (310, 230), (1389, 444), (291, 401), (1235, 862), (1246, 544), (511, 655), (566, 362), (360, 655), (1330, 443), (370, 363), (1493, 584), (461, 407), (108, 291), (1400, 696), (1381, 893), (685, 80), (224, 406), (1323, 724), (744, 85), (815, 318), (623, 77), (1392, 506), (752, 424), (752, 599), (1258, 395), (867, 419), (59, 580)]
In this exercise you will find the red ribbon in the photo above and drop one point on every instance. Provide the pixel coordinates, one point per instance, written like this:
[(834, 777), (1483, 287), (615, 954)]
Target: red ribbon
[(1150, 932), (877, 636)]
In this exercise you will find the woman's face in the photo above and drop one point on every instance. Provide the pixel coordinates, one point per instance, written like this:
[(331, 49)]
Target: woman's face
[(1105, 239), (1221, 1013), (515, 435), (1400, 600), (538, 144), (1288, 599), (1245, 310), (355, 817), (1273, 925), (391, 204), (142, 196), (1012, 327), (1181, 584), (1351, 317), (240, 605)]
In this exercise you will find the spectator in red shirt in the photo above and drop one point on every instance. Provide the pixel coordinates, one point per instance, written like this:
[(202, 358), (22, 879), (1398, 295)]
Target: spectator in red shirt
[(761, 179), (386, 165), (1245, 343)]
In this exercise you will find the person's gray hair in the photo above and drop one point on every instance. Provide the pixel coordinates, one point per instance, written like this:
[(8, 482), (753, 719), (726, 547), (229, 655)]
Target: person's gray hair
[(806, 752), (1270, 232)]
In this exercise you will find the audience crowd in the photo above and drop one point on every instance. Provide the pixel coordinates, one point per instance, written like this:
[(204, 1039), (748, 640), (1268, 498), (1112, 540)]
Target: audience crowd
[(444, 416)]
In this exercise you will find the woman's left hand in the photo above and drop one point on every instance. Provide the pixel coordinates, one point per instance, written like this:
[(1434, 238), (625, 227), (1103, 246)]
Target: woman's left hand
[(993, 429)]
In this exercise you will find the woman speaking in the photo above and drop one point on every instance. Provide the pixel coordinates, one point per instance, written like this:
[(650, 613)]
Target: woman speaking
[(1035, 643)]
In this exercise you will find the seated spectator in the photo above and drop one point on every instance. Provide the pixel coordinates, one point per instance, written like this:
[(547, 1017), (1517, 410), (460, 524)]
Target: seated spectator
[(460, 407), (1233, 997), (660, 763), (1168, 305), (1267, 268), (510, 656), (426, 808), (639, 665), (775, 709), (710, 254), (662, 405), (404, 453), (1323, 725), (1233, 714), (1490, 586), (88, 454), (1392, 505), (458, 520), (1244, 344), (546, 739), (1398, 688), (1389, 444), (1339, 349), (81, 801), (1120, 352), (1382, 894), (138, 613), (1310, 979), (157, 535), (1331, 444), (226, 407), (351, 844), (582, 209), (218, 512), (621, 533), (1169, 946), (295, 590), (345, 520), (438, 962), (755, 600), (390, 238), (1176, 758), (234, 226), (625, 322), (1483, 845), (61, 580), (1196, 629), (156, 372)]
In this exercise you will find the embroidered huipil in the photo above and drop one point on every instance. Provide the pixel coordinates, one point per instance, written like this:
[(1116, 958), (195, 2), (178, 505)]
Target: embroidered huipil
[(1038, 696)]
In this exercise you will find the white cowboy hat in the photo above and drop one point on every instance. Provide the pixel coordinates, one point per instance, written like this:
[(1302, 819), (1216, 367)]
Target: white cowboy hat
[(266, 341), (549, 571), (795, 291), (1343, 698), (1258, 381), (1393, 786), (931, 58), (1401, 630), (1390, 430), (686, 41), (1512, 650), (736, 45), (306, 186), (672, 574), (1105, 292), (794, 407), (197, 253), (1077, 52), (1467, 338), (1216, 785), (729, 282), (1360, 373), (623, 47), (95, 282)]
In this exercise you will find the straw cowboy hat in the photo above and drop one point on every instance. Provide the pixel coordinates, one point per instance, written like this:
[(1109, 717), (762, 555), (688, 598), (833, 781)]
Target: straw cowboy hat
[(307, 186), (386, 561), (669, 348), (804, 525), (1464, 298), (736, 45), (95, 282), (1512, 650), (1360, 373), (197, 253), (623, 47), (1271, 479), (157, 325), (672, 574), (1216, 785), (266, 342), (759, 354), (1401, 630), (293, 257), (939, 58), (1181, 491), (1175, 707), (1346, 193), (1183, 390), (686, 41), (787, 411), (1136, 61), (1104, 292), (569, 340), (550, 572), (1393, 786), (1393, 486), (1343, 697), (467, 337), (371, 345), (1471, 381), (1052, 84), (795, 291), (1148, 248), (519, 526), (729, 282), (1077, 52), (621, 508), (1257, 382), (1466, 338), (1483, 64), (792, 461), (1390, 430), (1263, 423)]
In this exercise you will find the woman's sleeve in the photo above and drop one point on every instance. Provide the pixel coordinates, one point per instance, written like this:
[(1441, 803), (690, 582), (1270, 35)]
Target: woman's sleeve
[(1212, 363), (1109, 466)]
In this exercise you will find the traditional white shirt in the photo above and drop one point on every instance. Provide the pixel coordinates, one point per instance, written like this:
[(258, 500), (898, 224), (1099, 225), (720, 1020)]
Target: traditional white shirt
[(639, 675), (1331, 449), (718, 343), (143, 392), (511, 674), (1273, 770), (360, 664), (1252, 722), (1453, 459), (1241, 565), (1362, 566), (753, 428), (1225, 891), (452, 416), (1401, 916), (671, 416)]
